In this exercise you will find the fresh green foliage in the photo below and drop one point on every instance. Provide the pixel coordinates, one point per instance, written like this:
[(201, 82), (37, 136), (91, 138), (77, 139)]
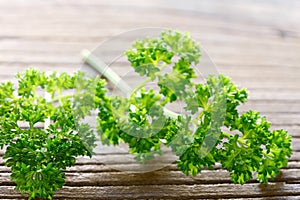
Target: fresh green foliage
[(242, 142), (37, 155), (247, 147)]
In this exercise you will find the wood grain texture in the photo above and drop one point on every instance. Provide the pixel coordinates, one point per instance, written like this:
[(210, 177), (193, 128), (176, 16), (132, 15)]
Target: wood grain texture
[(256, 43)]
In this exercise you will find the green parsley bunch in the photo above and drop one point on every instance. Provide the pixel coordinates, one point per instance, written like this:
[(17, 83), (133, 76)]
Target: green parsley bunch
[(243, 142), (37, 155)]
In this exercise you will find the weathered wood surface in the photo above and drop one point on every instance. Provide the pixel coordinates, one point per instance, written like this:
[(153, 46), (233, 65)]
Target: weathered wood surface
[(257, 43)]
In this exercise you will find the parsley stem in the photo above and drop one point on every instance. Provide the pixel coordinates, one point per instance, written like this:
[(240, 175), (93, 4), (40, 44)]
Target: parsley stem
[(104, 69)]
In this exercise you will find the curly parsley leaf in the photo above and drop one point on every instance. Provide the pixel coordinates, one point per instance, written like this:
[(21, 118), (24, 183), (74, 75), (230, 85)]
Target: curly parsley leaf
[(38, 155), (183, 45), (256, 149)]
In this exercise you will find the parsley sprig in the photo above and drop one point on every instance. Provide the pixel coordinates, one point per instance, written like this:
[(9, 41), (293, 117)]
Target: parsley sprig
[(210, 129), (38, 155), (243, 143)]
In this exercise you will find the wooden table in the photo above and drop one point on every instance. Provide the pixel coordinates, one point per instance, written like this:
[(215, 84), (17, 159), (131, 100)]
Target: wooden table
[(257, 43)]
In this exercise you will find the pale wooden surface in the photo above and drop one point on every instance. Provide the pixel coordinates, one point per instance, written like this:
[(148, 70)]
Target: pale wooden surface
[(257, 43)]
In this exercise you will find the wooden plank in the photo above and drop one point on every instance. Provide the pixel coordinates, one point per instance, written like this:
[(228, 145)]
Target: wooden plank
[(267, 56), (100, 167), (254, 72), (169, 191), (247, 198), (188, 191), (287, 82), (214, 10), (155, 178)]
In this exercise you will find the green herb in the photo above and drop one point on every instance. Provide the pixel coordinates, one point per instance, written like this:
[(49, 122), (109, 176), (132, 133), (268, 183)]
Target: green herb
[(242, 142), (248, 147), (38, 155)]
